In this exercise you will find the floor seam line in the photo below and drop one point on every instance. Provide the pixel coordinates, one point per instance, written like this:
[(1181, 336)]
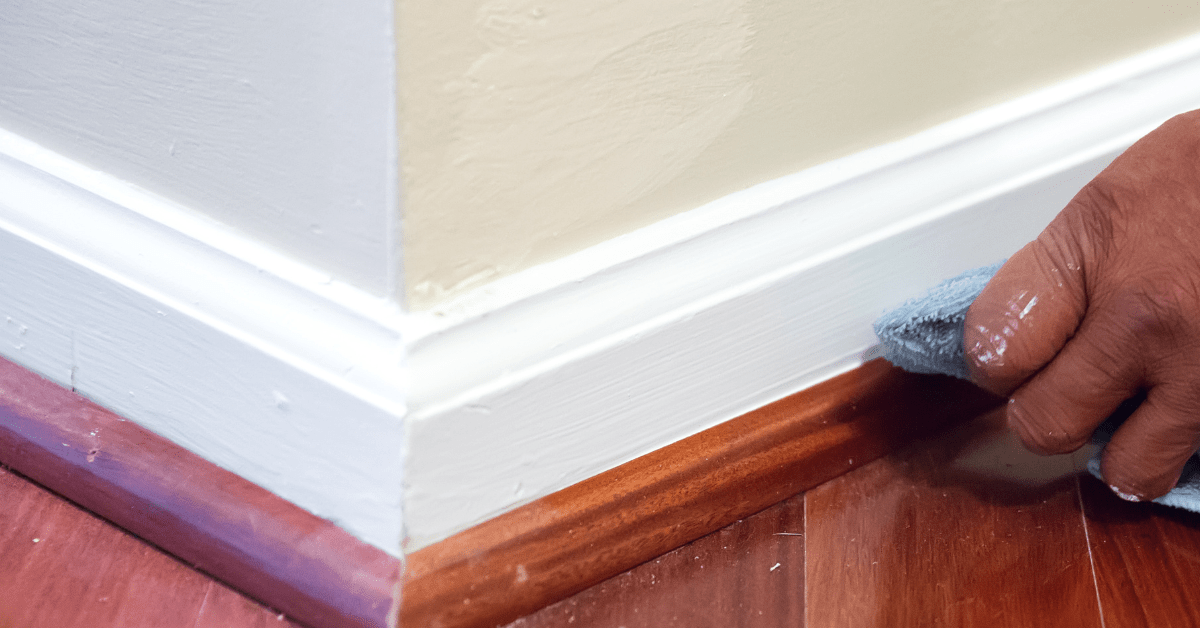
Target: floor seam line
[(1087, 538), (203, 604), (807, 579)]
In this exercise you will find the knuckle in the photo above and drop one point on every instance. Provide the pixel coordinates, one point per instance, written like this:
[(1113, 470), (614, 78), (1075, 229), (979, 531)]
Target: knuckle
[(1158, 310), (1185, 125), (1179, 414), (1088, 227), (1045, 435), (1106, 364), (1057, 441)]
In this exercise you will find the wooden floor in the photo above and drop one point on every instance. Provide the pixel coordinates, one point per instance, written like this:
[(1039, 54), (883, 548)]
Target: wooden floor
[(964, 530), (62, 567)]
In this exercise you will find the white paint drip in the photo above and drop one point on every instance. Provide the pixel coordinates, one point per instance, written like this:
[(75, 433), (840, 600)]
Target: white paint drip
[(1129, 497), (1028, 308)]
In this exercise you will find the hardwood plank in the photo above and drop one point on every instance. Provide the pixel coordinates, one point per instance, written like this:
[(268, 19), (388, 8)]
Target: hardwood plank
[(968, 529), (236, 531), (566, 542), (224, 608), (749, 574), (1147, 560), (83, 571), (62, 567)]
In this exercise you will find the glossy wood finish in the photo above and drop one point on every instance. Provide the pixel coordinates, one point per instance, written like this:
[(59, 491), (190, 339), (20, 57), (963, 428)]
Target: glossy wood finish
[(1147, 560), (749, 574), (61, 566), (577, 537), (965, 530), (240, 533)]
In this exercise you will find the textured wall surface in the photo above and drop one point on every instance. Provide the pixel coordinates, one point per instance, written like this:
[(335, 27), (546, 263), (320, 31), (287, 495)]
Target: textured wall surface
[(275, 118), (531, 129)]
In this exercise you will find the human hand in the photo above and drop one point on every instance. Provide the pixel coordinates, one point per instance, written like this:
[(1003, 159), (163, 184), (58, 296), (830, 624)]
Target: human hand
[(1103, 305)]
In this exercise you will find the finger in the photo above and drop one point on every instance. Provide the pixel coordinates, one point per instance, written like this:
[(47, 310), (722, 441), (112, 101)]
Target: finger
[(1145, 456), (1058, 409), (1030, 308)]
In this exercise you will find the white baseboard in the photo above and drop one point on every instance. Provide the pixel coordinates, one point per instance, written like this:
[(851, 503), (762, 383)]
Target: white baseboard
[(543, 379), (260, 365), (537, 381)]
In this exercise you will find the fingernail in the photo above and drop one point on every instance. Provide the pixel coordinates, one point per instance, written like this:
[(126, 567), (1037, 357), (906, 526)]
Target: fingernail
[(1129, 497)]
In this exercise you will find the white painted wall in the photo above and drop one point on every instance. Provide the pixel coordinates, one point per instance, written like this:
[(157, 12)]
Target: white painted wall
[(274, 117), (198, 230)]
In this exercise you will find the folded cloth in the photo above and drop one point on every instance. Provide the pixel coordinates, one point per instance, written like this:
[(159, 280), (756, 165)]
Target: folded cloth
[(925, 335)]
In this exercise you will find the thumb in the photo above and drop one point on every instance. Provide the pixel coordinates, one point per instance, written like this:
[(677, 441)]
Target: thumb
[(1030, 308)]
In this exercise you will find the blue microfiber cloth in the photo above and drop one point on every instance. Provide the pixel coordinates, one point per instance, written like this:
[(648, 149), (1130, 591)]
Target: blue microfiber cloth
[(925, 335)]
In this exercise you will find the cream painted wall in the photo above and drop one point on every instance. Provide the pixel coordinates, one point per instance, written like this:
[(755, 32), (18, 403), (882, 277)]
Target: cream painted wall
[(531, 129)]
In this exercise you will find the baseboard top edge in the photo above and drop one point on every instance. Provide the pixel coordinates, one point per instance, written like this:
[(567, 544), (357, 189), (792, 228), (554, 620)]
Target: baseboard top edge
[(204, 270), (581, 266), (551, 310)]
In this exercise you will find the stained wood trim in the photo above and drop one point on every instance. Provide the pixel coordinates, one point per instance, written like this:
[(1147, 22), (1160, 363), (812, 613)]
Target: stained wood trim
[(254, 541), (563, 543)]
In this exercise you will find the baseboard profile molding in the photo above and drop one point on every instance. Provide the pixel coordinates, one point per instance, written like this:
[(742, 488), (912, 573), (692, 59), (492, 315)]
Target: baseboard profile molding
[(254, 541), (565, 542), (541, 380), (260, 364)]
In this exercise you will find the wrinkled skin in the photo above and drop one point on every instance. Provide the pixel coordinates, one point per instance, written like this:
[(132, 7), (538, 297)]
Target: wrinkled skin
[(1103, 305)]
